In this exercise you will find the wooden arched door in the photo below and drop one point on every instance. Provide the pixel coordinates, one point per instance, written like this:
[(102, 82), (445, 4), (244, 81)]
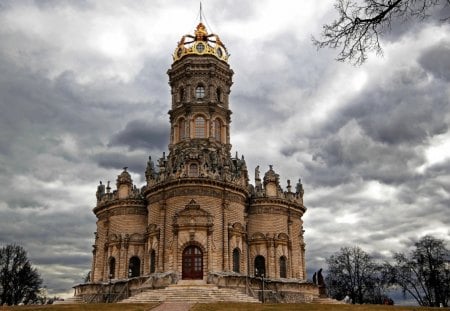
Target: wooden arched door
[(192, 263)]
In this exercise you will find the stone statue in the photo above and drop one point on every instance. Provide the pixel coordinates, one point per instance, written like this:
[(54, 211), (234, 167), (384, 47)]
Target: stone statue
[(315, 278), (299, 188), (149, 172), (100, 191), (257, 173), (320, 280), (321, 284)]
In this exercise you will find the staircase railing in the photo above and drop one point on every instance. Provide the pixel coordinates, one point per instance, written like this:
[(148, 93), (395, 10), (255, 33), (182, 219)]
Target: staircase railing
[(273, 295), (99, 293), (121, 293), (249, 290)]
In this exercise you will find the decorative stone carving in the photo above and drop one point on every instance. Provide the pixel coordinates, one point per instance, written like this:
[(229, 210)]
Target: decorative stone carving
[(192, 217)]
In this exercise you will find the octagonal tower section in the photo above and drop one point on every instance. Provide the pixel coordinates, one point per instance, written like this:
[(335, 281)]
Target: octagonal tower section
[(120, 241), (197, 195)]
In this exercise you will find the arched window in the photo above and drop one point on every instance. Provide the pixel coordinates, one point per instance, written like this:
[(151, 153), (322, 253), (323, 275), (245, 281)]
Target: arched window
[(219, 95), (283, 268), (182, 129), (200, 92), (193, 170), (236, 260), (260, 266), (152, 261), (112, 268), (200, 127), (134, 267), (218, 130), (181, 94)]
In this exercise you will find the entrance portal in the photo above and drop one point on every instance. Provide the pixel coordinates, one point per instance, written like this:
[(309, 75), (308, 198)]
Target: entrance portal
[(192, 263)]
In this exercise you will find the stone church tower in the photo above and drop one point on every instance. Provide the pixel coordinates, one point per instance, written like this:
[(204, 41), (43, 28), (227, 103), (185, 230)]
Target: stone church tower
[(198, 215)]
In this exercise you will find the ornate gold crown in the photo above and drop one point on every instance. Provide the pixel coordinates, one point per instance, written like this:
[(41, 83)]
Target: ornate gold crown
[(201, 44)]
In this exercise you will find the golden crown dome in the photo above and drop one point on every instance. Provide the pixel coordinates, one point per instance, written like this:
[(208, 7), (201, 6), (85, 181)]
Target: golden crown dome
[(201, 43)]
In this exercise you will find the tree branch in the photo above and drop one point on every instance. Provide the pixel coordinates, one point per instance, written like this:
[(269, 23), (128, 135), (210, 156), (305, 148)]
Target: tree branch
[(359, 27)]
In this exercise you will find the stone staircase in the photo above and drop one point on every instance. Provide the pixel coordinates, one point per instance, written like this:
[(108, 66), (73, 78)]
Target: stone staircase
[(190, 292)]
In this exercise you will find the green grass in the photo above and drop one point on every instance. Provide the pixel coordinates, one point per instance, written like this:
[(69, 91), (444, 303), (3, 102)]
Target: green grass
[(85, 307), (220, 307), (301, 307)]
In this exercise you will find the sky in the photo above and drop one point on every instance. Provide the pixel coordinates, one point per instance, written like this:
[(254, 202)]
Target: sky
[(84, 92)]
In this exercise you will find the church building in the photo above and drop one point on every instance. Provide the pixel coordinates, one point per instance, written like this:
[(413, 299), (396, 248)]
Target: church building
[(198, 215)]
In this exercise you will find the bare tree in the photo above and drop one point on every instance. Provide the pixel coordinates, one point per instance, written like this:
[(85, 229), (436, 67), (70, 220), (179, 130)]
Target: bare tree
[(425, 273), (360, 25), (352, 272), (19, 281)]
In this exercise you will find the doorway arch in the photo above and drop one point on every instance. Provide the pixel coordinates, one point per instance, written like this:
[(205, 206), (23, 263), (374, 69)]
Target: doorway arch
[(260, 266), (134, 267), (192, 263)]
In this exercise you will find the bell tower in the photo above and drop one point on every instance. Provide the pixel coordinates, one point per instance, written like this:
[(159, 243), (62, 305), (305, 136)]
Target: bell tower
[(197, 194), (200, 79)]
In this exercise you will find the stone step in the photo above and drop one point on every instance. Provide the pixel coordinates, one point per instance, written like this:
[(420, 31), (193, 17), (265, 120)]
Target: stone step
[(204, 293), (191, 283)]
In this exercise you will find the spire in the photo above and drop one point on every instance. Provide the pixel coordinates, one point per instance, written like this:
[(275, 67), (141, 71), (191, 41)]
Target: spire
[(201, 43)]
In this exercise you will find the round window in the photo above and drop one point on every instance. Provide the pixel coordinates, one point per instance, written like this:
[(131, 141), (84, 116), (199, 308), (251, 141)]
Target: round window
[(219, 52), (200, 47)]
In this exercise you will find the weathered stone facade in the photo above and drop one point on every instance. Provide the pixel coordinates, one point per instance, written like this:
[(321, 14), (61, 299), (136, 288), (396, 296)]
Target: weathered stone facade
[(198, 214)]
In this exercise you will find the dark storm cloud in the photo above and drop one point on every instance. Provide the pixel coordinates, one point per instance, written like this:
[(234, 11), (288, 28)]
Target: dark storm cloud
[(400, 109), (252, 110), (57, 228), (31, 104), (376, 136), (118, 160), (68, 259), (23, 202), (349, 156), (269, 92), (142, 134), (436, 60), (57, 243)]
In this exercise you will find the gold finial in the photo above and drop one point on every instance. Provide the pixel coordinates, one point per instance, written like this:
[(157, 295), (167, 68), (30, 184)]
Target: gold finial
[(201, 33)]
